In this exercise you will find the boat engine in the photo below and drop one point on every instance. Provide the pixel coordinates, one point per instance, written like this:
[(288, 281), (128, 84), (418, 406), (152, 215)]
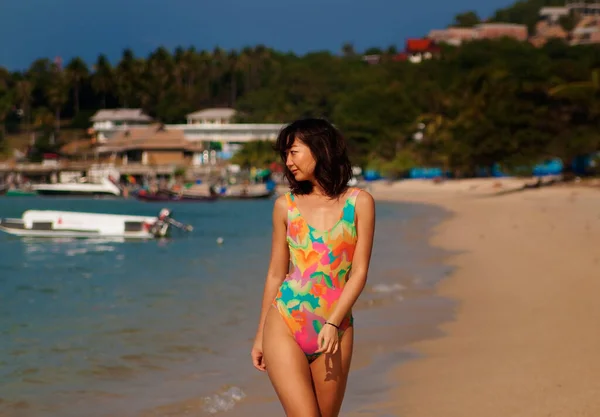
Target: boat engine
[(160, 228)]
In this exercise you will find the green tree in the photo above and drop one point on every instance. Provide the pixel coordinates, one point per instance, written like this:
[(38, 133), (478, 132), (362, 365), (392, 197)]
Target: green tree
[(76, 72), (6, 105), (466, 19), (57, 94), (103, 80)]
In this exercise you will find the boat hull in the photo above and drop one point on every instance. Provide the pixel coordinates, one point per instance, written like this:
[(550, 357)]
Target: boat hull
[(75, 193), (105, 187), (261, 196), (75, 234), (47, 223), (172, 197)]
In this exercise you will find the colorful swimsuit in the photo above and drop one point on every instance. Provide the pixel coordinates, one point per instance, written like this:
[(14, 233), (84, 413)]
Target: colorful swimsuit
[(321, 261)]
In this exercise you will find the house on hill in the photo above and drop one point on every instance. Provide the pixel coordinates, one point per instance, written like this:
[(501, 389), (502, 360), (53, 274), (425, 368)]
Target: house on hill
[(453, 36), (106, 120), (211, 116), (418, 50), (152, 145)]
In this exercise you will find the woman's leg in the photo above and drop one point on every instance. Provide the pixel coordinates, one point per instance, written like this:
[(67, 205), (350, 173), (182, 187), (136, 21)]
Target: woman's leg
[(330, 374), (288, 368)]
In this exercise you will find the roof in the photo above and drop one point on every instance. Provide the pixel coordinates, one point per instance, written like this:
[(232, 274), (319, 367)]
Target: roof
[(154, 137), (120, 114), (562, 11), (214, 113), (420, 45), (77, 146)]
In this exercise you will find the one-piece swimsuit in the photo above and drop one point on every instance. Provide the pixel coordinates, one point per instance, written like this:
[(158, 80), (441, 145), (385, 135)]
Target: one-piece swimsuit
[(320, 264)]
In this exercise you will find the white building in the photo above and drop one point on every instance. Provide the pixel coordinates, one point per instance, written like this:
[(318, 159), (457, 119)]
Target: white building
[(217, 116), (209, 126), (107, 120)]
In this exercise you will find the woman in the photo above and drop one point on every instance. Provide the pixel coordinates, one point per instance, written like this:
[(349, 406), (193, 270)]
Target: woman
[(324, 229)]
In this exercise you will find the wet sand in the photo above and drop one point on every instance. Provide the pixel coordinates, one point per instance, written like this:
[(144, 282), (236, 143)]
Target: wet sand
[(525, 339)]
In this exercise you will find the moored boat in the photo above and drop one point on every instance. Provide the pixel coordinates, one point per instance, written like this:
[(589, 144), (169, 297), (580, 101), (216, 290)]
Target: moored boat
[(49, 223), (255, 195), (246, 192), (104, 187), (172, 196)]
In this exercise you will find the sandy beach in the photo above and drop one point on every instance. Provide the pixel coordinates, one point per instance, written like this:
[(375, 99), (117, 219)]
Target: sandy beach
[(524, 340)]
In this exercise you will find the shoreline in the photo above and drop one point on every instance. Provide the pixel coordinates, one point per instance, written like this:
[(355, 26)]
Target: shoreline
[(397, 290), (523, 341)]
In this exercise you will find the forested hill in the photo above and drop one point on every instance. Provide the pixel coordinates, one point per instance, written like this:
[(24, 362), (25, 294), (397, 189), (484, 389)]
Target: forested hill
[(485, 102)]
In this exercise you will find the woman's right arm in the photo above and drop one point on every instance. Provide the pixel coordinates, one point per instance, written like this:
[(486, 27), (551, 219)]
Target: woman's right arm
[(278, 268)]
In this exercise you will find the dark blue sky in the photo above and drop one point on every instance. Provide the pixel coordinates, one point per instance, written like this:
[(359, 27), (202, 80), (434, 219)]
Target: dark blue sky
[(30, 29)]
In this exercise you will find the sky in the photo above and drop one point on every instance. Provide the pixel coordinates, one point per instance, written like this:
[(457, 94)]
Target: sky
[(31, 29)]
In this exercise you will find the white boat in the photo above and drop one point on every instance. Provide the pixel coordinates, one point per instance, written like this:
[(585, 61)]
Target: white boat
[(48, 223), (103, 187)]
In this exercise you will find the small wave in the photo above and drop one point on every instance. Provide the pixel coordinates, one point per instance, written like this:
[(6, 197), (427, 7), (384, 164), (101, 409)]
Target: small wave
[(387, 287), (223, 401), (104, 248), (78, 251)]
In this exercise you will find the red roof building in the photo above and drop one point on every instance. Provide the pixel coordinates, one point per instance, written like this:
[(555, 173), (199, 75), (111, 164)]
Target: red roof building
[(417, 50)]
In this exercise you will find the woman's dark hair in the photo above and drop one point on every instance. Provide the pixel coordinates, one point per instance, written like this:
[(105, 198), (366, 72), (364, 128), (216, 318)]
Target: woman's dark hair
[(327, 145)]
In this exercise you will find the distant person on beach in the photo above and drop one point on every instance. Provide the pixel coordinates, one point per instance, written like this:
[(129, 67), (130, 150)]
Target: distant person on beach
[(324, 229)]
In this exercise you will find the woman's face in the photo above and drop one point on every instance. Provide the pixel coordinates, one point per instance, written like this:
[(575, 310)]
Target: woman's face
[(300, 161)]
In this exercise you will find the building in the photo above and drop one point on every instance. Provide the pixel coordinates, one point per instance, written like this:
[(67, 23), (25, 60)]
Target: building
[(554, 14), (218, 116), (108, 119), (547, 29), (456, 36), (501, 30), (587, 31), (372, 59), (452, 36), (210, 128), (151, 145), (584, 7), (418, 50)]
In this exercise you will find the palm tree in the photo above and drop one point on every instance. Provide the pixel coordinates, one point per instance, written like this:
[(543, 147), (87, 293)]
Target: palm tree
[(76, 72), (348, 50), (218, 69), (103, 78), (57, 94), (23, 91), (234, 64), (6, 105), (127, 72), (159, 72)]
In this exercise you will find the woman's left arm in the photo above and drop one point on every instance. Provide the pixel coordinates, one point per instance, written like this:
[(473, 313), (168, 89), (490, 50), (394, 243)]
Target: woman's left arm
[(365, 228)]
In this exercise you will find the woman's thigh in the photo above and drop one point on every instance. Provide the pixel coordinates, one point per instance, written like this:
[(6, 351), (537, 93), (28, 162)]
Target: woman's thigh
[(330, 375), (288, 368)]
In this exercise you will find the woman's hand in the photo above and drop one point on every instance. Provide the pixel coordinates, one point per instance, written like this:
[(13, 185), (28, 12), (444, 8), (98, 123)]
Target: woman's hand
[(257, 355), (328, 340)]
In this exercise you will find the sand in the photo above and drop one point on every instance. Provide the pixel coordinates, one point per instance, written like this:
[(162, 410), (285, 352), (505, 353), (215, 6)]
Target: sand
[(525, 339)]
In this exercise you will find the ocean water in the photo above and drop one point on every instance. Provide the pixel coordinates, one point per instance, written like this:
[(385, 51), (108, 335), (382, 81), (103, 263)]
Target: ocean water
[(107, 328)]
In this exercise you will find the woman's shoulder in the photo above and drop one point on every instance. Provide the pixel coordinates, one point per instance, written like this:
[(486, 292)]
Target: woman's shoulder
[(282, 201), (364, 200)]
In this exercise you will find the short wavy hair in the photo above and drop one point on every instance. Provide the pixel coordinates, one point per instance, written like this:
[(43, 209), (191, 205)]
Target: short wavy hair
[(327, 145)]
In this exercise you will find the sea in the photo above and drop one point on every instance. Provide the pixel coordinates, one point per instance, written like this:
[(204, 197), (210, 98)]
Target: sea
[(99, 328)]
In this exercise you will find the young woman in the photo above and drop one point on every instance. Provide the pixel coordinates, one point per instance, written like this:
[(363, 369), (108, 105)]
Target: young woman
[(324, 230)]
